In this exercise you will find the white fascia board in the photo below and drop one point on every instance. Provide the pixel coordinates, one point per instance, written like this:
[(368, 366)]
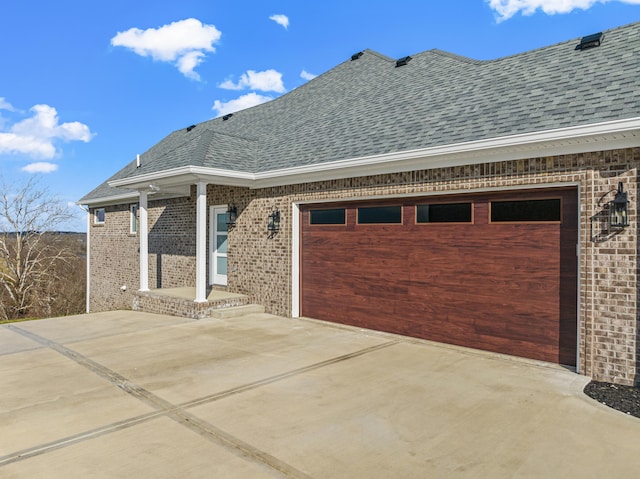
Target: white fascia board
[(186, 175), (571, 140), (110, 200)]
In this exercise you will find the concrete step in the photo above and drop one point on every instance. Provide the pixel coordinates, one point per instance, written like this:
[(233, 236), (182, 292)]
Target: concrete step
[(237, 311)]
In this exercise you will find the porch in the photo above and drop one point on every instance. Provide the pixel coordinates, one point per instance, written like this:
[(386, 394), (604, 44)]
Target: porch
[(181, 302)]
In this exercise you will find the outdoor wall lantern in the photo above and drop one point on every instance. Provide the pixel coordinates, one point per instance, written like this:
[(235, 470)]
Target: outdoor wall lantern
[(618, 209), (232, 215), (273, 226)]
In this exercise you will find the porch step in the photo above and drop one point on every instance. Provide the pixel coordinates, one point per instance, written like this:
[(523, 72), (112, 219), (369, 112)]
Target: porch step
[(237, 311), (180, 302)]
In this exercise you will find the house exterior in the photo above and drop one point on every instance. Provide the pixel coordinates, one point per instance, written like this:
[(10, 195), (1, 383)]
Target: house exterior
[(461, 201)]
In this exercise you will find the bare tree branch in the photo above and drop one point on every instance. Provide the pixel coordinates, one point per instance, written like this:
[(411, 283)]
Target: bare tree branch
[(30, 256)]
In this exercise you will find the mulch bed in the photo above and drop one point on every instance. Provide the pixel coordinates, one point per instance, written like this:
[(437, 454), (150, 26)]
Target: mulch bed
[(625, 399)]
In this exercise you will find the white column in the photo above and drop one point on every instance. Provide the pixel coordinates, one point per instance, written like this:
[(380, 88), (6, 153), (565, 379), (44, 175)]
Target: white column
[(201, 243), (144, 242), (295, 260)]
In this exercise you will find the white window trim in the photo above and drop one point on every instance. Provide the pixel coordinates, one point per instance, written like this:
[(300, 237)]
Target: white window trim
[(134, 224), (95, 216)]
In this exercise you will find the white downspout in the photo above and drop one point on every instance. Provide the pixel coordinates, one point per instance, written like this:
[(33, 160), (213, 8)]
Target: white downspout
[(88, 246)]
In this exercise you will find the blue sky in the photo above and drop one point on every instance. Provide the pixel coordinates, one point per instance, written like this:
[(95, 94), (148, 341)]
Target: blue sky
[(86, 85)]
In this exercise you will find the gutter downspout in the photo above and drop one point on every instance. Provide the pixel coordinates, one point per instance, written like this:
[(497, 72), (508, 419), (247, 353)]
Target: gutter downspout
[(88, 273)]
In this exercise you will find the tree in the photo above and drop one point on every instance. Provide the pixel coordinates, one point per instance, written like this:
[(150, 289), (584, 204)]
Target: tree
[(32, 259)]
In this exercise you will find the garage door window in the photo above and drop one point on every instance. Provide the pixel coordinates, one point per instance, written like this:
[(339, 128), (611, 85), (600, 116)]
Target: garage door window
[(334, 216), (444, 213), (380, 215), (548, 210)]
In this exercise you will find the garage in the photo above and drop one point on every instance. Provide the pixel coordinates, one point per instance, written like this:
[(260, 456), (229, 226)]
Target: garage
[(492, 271)]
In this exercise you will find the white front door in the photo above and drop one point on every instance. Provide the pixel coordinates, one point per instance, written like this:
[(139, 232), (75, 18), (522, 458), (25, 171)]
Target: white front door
[(218, 245)]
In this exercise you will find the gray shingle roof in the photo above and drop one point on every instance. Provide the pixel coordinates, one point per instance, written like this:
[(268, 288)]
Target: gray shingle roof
[(368, 106)]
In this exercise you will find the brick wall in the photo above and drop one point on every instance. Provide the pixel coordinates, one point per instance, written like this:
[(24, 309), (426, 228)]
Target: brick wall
[(113, 260), (172, 243), (261, 267)]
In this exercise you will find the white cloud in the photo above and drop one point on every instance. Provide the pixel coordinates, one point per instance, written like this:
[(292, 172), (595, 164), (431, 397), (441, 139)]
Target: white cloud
[(183, 43), (508, 8), (268, 80), (40, 167), (280, 20), (304, 74), (245, 101), (35, 137), (5, 105)]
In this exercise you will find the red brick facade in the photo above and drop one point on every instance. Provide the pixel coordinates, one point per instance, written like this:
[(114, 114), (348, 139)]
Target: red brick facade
[(261, 267)]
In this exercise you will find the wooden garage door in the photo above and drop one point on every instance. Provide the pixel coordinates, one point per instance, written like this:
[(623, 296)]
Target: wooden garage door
[(491, 271)]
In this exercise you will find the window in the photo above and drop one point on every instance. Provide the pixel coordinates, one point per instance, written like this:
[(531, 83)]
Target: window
[(133, 219), (380, 215), (444, 213), (526, 210), (334, 216), (98, 216)]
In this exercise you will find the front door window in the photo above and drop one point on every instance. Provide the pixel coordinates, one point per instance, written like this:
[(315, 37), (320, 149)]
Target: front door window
[(219, 245)]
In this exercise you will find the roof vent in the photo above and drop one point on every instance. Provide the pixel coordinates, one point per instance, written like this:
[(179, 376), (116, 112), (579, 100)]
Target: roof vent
[(355, 56), (189, 128), (227, 116), (402, 61), (590, 41)]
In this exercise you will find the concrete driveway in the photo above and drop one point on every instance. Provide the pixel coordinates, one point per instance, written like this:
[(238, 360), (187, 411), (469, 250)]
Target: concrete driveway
[(135, 395)]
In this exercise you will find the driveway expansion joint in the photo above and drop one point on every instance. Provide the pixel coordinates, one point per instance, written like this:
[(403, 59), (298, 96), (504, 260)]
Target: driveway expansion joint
[(177, 413), (397, 412)]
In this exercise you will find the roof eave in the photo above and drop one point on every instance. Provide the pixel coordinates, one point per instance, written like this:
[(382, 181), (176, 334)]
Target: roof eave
[(109, 200), (571, 140), (134, 196), (185, 175)]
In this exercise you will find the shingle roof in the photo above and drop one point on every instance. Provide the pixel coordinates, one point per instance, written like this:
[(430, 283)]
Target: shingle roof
[(369, 106)]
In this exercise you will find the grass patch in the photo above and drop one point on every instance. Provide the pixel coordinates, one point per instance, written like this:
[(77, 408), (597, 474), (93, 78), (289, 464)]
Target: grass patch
[(7, 321)]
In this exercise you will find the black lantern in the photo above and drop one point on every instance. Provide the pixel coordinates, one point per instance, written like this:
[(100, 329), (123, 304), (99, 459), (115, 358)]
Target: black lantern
[(232, 215), (618, 209), (274, 221)]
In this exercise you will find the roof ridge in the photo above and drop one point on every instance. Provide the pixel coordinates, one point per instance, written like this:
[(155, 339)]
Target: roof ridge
[(241, 145), (574, 40), (454, 56), (204, 141), (168, 151), (241, 137), (475, 61), (379, 55)]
